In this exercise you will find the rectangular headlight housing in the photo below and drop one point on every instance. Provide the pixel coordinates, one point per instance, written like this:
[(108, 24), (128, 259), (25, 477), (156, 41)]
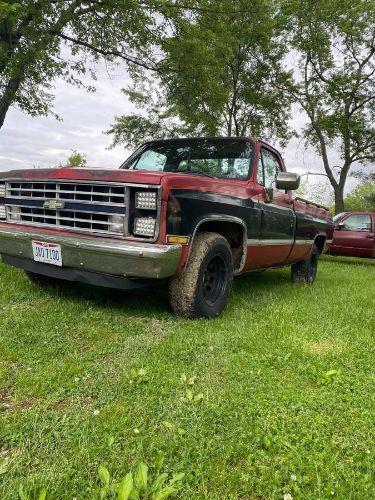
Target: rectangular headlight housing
[(146, 200), (3, 213), (116, 223), (144, 226)]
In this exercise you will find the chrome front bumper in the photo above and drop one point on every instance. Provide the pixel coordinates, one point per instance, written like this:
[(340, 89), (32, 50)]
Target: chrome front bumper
[(101, 255)]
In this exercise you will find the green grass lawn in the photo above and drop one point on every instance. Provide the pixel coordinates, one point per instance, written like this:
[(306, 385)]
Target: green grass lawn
[(283, 401)]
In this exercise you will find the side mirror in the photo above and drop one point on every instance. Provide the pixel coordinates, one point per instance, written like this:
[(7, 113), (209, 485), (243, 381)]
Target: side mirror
[(287, 180), (339, 226)]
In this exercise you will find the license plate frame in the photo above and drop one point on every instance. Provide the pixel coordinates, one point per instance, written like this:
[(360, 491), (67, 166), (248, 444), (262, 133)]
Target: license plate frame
[(47, 253)]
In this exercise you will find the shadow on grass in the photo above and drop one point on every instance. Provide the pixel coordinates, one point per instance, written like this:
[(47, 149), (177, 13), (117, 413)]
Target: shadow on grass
[(342, 259), (155, 299)]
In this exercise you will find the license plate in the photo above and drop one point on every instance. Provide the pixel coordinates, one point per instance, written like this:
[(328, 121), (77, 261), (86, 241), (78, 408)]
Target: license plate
[(49, 253)]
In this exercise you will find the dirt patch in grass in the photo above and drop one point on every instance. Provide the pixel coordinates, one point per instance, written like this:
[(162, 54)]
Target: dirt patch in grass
[(323, 347), (7, 404)]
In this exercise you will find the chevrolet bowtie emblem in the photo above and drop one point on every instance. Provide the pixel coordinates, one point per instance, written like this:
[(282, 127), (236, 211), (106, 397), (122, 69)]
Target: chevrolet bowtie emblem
[(54, 204)]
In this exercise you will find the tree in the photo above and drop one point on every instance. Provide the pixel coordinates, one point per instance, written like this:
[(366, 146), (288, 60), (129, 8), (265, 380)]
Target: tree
[(361, 198), (41, 40), (363, 195), (334, 43), (76, 159), (315, 190), (217, 77)]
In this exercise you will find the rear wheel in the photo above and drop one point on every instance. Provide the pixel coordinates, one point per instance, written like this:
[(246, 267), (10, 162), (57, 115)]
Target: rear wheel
[(305, 271), (201, 289)]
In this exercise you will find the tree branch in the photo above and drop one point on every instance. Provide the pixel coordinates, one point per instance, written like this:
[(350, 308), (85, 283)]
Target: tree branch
[(106, 53)]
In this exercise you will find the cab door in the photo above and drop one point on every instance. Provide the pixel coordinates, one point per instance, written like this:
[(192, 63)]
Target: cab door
[(354, 236), (278, 217)]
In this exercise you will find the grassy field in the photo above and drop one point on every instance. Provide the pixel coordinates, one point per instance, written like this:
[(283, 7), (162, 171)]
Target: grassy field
[(276, 398)]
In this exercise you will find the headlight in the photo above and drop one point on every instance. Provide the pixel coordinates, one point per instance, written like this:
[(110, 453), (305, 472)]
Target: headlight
[(146, 200), (15, 213), (144, 226), (116, 223), (3, 213)]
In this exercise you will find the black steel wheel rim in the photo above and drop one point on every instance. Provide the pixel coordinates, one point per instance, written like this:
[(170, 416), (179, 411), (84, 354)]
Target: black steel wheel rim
[(214, 279)]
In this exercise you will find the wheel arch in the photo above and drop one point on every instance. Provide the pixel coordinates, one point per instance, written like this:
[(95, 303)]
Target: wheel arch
[(320, 242), (233, 229)]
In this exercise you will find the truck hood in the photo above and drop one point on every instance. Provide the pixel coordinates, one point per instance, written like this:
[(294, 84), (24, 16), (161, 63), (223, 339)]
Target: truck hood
[(85, 174)]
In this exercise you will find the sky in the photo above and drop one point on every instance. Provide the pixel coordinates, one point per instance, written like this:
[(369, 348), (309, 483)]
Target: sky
[(27, 142)]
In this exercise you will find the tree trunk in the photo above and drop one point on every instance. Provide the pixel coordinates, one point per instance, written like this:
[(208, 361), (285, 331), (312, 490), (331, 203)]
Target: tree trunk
[(339, 200), (8, 96)]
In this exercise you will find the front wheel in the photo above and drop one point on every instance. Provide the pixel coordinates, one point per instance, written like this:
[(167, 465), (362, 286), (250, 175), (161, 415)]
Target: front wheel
[(201, 289), (305, 271)]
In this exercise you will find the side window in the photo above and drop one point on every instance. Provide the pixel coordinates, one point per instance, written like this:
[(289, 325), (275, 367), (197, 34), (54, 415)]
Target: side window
[(260, 171), (357, 222), (271, 168)]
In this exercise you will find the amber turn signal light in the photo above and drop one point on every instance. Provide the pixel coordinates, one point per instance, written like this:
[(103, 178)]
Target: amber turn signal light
[(182, 240)]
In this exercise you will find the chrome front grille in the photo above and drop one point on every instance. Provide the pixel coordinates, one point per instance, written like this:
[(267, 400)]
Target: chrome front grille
[(94, 193), (64, 205)]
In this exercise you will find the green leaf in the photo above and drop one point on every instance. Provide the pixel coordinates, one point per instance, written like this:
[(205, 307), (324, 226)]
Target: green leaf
[(104, 475), (266, 442), (42, 494), (141, 476), (183, 378), (330, 373), (134, 495), (177, 477), (159, 481), (125, 487), (159, 460), (168, 425), (181, 431), (198, 398), (189, 395), (111, 441), (3, 467), (164, 493), (22, 494)]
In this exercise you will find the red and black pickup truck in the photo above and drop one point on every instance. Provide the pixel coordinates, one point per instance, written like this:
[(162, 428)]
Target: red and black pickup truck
[(194, 212)]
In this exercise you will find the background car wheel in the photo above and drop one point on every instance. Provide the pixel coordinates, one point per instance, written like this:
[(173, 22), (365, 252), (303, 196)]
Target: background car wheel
[(201, 289), (41, 279), (305, 271)]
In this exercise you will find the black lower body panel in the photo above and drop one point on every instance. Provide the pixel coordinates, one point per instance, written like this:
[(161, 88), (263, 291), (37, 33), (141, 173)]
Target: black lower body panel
[(70, 274)]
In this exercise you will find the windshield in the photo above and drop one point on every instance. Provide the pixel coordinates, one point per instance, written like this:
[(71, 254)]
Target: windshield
[(339, 217), (225, 158)]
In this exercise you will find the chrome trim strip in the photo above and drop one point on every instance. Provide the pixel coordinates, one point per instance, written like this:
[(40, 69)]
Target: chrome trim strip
[(276, 242), (304, 242), (110, 256)]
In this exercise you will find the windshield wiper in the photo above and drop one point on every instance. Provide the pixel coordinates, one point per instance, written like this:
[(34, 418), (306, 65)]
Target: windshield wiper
[(197, 172)]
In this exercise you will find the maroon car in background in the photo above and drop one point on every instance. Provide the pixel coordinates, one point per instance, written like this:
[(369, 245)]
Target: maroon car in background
[(354, 234)]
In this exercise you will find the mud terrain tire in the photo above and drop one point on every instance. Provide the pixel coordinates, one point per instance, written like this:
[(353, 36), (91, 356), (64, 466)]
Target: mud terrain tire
[(305, 271), (202, 288)]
